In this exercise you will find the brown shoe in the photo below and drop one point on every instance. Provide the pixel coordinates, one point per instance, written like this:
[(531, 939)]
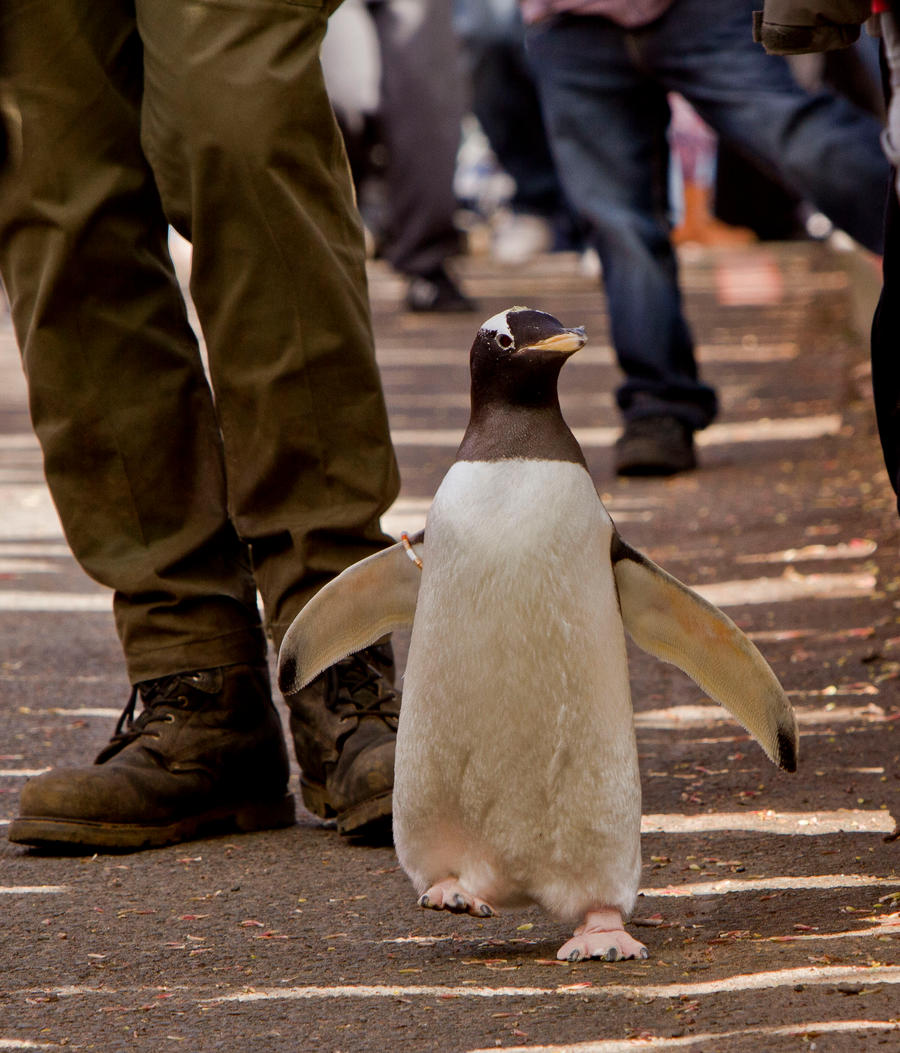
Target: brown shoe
[(344, 726), (206, 755)]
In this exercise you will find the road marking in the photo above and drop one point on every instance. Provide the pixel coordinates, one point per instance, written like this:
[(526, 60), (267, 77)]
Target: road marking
[(16, 565), (729, 885), (813, 975), (55, 602), (764, 430), (858, 548), (22, 1043), (17, 549), (21, 773), (705, 716), (842, 821), (391, 356), (788, 588), (625, 1045), (32, 890)]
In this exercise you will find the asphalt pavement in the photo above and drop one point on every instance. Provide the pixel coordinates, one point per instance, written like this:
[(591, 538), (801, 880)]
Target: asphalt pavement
[(770, 902)]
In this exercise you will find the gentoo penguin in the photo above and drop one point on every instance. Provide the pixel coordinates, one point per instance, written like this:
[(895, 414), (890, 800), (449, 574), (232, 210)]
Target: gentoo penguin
[(516, 768)]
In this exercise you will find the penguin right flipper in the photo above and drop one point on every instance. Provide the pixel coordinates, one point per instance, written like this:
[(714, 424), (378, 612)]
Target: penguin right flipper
[(357, 608), (672, 622)]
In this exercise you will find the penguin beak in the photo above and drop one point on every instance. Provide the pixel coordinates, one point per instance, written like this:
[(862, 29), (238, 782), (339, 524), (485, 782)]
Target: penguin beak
[(566, 341)]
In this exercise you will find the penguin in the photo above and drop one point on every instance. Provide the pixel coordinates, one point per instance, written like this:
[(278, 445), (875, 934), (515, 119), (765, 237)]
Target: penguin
[(516, 773)]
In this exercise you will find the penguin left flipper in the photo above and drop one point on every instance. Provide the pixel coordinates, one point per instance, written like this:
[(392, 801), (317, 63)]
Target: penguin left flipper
[(357, 608), (672, 622)]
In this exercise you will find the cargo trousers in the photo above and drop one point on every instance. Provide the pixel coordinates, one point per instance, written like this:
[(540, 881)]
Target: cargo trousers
[(186, 490)]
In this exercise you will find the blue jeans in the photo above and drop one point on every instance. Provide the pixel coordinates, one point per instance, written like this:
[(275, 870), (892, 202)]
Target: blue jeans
[(603, 89)]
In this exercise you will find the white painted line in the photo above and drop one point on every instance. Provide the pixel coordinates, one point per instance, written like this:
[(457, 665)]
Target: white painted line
[(28, 512), (16, 549), (856, 549), (22, 1043), (706, 716), (788, 588), (715, 435), (728, 885), (625, 1045), (398, 355), (21, 773), (23, 440), (26, 566), (842, 821), (888, 926), (32, 890), (85, 711), (811, 975), (55, 602), (816, 975)]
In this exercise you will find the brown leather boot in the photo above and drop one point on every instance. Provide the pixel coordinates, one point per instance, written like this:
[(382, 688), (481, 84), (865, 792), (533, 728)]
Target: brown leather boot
[(206, 755), (344, 726)]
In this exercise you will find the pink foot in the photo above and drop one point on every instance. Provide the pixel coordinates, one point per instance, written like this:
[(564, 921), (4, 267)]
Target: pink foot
[(450, 895), (601, 936)]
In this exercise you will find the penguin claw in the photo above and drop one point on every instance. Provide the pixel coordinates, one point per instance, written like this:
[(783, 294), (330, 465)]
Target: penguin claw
[(450, 895), (602, 937)]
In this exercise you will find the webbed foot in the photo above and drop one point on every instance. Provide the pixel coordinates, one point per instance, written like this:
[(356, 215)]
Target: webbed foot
[(601, 936), (450, 895)]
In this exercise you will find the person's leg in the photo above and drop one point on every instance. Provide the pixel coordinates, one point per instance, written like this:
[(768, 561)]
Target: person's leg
[(607, 126), (421, 108), (251, 166), (132, 450), (117, 391), (820, 146)]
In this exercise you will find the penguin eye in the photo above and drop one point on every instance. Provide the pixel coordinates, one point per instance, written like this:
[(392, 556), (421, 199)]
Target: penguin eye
[(504, 340)]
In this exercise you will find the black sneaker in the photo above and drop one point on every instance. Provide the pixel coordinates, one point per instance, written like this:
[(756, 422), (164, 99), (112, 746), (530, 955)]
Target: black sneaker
[(438, 292), (655, 446), (344, 726), (206, 755)]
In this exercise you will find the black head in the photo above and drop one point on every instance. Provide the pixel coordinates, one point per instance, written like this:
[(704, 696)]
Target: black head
[(517, 356)]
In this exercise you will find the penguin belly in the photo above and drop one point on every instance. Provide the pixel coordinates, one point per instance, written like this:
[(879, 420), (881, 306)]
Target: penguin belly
[(516, 764)]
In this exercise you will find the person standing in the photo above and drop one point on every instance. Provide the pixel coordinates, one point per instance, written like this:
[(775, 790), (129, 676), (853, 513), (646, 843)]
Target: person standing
[(185, 495), (604, 69)]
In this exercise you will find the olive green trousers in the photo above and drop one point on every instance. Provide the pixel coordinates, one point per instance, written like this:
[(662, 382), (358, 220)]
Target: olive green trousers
[(185, 495)]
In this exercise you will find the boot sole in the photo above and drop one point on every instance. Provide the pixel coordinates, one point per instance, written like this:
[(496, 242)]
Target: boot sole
[(71, 833), (351, 820)]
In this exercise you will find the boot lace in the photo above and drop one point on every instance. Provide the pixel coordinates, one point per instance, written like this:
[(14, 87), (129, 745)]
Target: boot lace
[(362, 690), (156, 695)]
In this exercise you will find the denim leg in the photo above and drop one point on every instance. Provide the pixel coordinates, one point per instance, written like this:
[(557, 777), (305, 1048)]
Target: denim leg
[(607, 125), (821, 146)]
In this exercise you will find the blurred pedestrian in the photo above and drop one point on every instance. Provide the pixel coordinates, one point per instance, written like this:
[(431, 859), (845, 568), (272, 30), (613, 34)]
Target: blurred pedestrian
[(406, 98), (604, 69), (537, 218), (185, 496)]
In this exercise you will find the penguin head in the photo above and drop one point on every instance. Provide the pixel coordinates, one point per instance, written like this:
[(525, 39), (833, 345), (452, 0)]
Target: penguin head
[(517, 355)]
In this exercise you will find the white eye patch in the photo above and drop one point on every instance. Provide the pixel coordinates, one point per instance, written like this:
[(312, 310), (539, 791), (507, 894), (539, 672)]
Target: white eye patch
[(498, 324)]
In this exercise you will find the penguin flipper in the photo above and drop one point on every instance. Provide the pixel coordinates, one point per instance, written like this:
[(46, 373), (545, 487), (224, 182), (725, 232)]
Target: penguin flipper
[(357, 608), (672, 622)]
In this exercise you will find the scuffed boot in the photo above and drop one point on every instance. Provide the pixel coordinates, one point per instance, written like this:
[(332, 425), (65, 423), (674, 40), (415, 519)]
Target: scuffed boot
[(344, 726), (206, 755)]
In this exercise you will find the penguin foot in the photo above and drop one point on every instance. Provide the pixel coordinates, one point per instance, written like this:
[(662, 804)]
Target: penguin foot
[(601, 936), (450, 895)]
